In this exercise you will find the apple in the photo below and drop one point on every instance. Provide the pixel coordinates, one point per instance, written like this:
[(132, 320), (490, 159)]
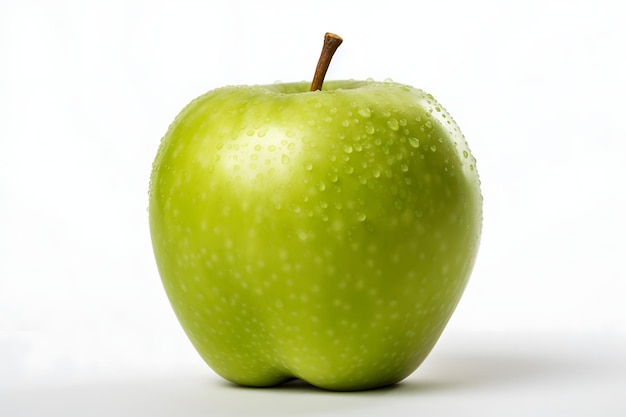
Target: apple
[(321, 235)]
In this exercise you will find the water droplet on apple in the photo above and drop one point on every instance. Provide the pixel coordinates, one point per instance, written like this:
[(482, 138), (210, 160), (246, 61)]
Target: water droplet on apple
[(465, 154), (360, 216), (347, 148), (433, 148), (369, 129), (321, 186), (308, 165), (404, 167), (332, 176), (376, 173), (349, 169), (414, 142), (345, 123), (285, 158), (365, 112), (257, 147), (271, 148), (393, 124)]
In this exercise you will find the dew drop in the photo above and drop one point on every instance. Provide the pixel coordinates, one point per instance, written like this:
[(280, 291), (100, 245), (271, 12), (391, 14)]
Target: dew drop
[(349, 169), (345, 123), (308, 165), (271, 148), (321, 186), (285, 158), (393, 124), (347, 148), (257, 147), (404, 167), (433, 148), (369, 129), (365, 112), (465, 154), (360, 216), (332, 177), (414, 142)]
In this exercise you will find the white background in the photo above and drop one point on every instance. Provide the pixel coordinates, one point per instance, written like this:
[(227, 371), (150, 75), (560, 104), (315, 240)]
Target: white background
[(87, 89)]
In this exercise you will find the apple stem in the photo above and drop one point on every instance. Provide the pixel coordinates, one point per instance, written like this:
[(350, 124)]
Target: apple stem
[(331, 43)]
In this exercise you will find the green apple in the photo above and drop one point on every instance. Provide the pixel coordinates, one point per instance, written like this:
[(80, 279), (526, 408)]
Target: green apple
[(324, 235)]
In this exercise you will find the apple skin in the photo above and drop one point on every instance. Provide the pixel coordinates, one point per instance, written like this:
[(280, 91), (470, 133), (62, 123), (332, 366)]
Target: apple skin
[(326, 236)]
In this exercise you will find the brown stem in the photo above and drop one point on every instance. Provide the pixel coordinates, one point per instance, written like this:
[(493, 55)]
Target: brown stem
[(331, 43)]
